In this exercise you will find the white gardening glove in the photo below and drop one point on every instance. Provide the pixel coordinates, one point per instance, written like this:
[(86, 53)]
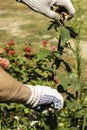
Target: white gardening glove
[(44, 7), (44, 98)]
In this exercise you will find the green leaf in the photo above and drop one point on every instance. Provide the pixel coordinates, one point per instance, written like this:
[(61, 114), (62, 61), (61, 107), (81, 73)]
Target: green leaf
[(80, 113), (84, 95), (57, 54), (85, 101), (64, 34), (76, 104), (67, 66), (42, 54), (63, 81), (73, 34), (51, 25), (54, 24), (69, 105), (75, 84)]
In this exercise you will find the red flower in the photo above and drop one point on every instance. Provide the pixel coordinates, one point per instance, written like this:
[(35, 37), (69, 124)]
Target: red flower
[(6, 48), (11, 52), (4, 63), (44, 43), (11, 43), (53, 48), (27, 49)]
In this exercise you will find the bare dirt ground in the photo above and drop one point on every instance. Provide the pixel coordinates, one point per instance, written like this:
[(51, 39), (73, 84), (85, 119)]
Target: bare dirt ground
[(12, 24)]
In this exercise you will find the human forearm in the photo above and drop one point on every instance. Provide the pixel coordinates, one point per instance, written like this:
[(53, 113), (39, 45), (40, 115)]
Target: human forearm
[(12, 90), (37, 97)]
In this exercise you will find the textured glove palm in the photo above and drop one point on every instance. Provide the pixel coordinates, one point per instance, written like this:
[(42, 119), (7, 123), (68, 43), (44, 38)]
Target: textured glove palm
[(44, 97)]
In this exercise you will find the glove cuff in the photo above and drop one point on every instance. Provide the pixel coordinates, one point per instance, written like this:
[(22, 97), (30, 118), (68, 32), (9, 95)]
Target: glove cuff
[(35, 96)]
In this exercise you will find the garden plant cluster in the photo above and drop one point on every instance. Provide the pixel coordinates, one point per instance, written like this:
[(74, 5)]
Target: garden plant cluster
[(48, 67)]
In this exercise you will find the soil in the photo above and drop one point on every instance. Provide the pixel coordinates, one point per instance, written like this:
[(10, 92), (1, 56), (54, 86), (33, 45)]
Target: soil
[(12, 24)]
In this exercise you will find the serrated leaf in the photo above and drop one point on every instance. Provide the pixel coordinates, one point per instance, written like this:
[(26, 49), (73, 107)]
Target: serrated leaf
[(75, 84), (76, 104), (73, 34), (80, 113), (63, 81), (64, 34), (69, 105)]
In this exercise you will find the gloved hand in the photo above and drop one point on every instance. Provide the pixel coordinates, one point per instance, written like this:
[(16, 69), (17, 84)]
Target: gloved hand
[(44, 98), (44, 7)]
